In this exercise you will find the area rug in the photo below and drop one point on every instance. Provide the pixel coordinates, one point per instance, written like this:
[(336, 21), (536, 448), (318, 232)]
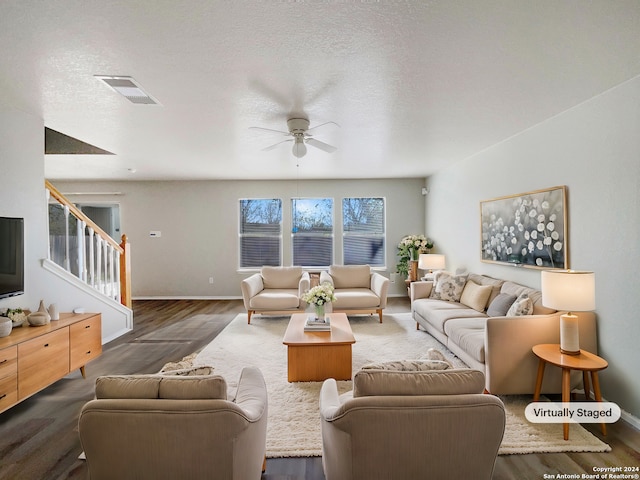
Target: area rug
[(293, 428)]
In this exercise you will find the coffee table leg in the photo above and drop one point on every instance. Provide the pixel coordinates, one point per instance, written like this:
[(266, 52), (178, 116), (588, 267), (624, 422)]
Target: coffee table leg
[(585, 384), (566, 397)]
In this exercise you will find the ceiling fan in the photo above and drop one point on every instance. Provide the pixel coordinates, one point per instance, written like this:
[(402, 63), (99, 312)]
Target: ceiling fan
[(301, 135)]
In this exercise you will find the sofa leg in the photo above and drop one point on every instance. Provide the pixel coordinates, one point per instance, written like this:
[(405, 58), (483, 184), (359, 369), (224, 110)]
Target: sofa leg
[(249, 313), (417, 326), (264, 464), (380, 314)]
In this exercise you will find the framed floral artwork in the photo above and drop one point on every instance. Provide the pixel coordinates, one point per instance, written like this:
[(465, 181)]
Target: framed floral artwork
[(528, 229)]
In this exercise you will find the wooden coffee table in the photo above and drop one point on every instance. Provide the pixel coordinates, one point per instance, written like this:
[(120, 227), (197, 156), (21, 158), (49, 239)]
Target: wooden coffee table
[(316, 356)]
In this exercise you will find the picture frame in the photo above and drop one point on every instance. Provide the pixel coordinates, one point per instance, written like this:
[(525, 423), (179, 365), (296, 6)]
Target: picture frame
[(526, 230)]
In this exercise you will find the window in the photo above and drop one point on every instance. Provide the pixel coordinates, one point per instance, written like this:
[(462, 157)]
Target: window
[(363, 228), (260, 232), (312, 231)]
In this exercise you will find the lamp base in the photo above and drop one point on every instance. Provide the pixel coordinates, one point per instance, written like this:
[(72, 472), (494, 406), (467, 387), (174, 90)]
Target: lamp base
[(569, 335), (569, 352)]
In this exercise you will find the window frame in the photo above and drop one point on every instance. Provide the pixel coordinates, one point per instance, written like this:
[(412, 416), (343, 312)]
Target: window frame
[(241, 234), (346, 233), (330, 236)]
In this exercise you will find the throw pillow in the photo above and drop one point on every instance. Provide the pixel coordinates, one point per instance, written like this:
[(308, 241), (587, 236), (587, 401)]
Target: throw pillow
[(522, 306), (500, 305), (409, 365), (448, 287), (475, 296)]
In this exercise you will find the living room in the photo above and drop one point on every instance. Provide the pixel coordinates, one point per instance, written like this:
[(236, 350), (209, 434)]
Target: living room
[(590, 146)]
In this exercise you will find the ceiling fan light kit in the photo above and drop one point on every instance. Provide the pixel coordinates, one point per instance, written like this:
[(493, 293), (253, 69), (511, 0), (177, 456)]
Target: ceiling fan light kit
[(302, 136)]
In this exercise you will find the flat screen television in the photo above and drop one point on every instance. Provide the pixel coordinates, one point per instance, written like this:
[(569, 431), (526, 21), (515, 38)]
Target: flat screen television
[(11, 256)]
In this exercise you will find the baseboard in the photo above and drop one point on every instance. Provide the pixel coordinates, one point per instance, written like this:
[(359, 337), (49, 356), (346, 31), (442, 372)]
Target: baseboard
[(186, 297)]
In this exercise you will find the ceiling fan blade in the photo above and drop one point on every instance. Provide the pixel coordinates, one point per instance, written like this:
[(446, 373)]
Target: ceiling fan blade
[(281, 132), (275, 145), (321, 145), (321, 125)]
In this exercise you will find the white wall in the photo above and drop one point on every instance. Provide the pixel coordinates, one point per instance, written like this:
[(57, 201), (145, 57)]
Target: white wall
[(22, 194), (593, 149), (199, 225)]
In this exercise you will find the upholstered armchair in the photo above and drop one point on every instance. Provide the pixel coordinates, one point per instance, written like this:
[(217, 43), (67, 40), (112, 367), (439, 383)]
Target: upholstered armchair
[(415, 424), (169, 427), (357, 289), (275, 291)]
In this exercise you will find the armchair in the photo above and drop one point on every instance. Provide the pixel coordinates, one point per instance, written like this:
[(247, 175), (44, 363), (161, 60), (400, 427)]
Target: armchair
[(410, 424), (167, 427), (275, 291), (357, 289)]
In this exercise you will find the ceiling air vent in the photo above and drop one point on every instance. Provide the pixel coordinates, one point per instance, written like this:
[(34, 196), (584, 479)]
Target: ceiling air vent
[(128, 88)]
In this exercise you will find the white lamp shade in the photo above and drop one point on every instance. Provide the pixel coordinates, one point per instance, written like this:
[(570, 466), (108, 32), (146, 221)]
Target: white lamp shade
[(569, 290), (431, 261)]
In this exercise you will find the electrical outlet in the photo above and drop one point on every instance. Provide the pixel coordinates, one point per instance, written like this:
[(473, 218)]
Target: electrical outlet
[(211, 280)]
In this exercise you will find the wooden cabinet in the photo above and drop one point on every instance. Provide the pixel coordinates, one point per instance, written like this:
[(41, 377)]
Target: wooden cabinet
[(85, 339), (32, 358), (8, 377)]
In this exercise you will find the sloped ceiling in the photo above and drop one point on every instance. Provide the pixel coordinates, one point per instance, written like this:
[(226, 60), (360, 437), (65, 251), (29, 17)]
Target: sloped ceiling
[(414, 85)]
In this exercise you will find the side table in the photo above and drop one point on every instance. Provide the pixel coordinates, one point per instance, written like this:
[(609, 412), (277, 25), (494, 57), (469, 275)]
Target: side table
[(586, 362)]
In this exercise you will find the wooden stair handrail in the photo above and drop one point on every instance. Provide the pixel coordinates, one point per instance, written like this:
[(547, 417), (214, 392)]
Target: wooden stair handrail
[(55, 193), (123, 248)]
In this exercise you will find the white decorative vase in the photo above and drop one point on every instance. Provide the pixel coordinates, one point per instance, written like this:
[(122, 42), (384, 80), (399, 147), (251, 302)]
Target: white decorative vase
[(319, 311), (5, 326)]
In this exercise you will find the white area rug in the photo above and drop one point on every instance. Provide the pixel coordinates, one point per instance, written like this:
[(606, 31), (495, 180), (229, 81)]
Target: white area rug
[(294, 419)]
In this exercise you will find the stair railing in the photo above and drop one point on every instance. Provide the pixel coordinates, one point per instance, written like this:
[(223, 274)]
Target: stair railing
[(82, 248)]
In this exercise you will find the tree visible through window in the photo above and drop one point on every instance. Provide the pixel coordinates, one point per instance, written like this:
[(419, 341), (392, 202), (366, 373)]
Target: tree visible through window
[(312, 231), (363, 229), (260, 232)]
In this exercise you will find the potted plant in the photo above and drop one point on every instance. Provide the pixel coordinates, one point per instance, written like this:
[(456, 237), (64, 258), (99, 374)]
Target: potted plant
[(409, 249)]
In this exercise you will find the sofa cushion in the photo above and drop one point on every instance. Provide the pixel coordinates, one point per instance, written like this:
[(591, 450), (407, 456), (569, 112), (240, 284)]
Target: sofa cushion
[(447, 286), (438, 312), (500, 305), (522, 306), (275, 299), (475, 296), (435, 382), (467, 334), (281, 277), (161, 386), (355, 298), (350, 276)]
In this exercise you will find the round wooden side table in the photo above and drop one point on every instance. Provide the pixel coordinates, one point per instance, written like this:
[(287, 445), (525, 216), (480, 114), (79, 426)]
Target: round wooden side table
[(586, 362)]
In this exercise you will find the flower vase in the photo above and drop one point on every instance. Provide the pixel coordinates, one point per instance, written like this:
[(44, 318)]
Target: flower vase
[(413, 272), (319, 311)]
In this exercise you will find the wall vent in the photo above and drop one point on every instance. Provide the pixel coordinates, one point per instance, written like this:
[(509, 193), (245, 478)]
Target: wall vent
[(128, 88)]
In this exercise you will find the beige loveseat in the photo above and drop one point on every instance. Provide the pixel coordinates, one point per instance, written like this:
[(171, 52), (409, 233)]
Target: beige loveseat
[(357, 289), (275, 291), (490, 339), (171, 427), (410, 424)]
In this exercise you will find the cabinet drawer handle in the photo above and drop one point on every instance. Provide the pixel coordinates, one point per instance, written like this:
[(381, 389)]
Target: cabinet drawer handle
[(89, 352), (88, 326), (3, 395), (4, 361), (46, 344)]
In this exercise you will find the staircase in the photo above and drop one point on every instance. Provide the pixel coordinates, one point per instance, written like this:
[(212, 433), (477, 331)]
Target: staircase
[(83, 250)]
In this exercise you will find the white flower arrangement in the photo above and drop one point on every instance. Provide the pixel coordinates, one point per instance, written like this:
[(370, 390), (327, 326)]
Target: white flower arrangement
[(319, 295)]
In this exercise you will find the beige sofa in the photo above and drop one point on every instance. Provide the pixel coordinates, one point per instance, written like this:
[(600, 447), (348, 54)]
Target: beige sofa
[(500, 345), (410, 424), (170, 427), (275, 291), (357, 289)]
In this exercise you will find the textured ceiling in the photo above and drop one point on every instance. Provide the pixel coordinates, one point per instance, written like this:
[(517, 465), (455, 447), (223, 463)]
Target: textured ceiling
[(414, 85)]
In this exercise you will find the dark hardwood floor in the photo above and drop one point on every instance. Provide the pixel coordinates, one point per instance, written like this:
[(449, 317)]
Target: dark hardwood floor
[(39, 438)]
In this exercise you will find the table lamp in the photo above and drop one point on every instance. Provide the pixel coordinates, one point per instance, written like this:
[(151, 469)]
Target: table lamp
[(573, 291), (431, 262)]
